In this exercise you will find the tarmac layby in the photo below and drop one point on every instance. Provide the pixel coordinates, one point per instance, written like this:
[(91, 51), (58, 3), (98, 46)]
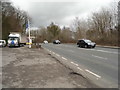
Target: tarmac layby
[(35, 68)]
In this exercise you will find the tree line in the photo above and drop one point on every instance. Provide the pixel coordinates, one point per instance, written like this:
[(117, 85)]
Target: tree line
[(53, 32), (13, 19), (101, 27)]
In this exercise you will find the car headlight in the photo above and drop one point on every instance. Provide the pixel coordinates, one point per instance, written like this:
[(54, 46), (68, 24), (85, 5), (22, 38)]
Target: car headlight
[(93, 44), (15, 42), (89, 43)]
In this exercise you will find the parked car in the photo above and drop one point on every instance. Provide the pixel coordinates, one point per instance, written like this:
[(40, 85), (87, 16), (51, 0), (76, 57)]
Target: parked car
[(86, 43), (45, 41), (2, 43), (56, 42)]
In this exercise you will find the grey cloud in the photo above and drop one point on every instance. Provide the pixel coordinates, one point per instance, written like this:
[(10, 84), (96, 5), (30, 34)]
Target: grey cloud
[(44, 13)]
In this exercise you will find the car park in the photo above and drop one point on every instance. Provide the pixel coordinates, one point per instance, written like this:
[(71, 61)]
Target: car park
[(85, 43), (56, 42), (2, 43)]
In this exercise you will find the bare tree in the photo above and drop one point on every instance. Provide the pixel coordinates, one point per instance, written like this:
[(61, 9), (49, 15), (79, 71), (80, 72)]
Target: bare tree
[(80, 27), (53, 30), (102, 27), (66, 35), (13, 19)]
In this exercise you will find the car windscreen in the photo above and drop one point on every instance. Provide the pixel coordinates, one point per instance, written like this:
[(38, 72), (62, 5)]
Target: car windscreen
[(87, 41), (57, 41), (13, 38)]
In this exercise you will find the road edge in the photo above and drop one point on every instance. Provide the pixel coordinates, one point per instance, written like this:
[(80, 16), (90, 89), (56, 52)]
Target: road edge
[(71, 66)]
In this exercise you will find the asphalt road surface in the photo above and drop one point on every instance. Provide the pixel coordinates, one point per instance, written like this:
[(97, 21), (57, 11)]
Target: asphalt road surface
[(100, 64)]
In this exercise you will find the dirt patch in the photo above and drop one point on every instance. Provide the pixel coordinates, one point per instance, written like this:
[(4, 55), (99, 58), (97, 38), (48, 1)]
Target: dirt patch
[(35, 68)]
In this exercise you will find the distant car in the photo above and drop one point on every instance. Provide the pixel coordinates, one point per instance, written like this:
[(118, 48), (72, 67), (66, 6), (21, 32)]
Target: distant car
[(45, 41), (2, 43), (86, 43), (56, 42)]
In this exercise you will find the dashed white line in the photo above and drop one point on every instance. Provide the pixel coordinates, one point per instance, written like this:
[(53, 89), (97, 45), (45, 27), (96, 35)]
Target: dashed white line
[(99, 57), (57, 55), (48, 50), (93, 73), (79, 68), (64, 58), (74, 63), (53, 52)]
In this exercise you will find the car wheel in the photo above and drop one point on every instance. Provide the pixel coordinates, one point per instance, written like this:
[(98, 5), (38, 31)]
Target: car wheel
[(79, 46), (93, 47), (85, 46)]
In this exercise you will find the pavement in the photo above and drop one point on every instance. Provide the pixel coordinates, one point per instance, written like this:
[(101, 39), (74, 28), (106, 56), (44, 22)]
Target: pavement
[(99, 64), (36, 68)]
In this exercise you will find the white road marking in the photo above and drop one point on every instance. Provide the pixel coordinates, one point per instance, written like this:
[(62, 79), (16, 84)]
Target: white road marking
[(57, 55), (93, 73), (99, 57), (74, 63), (53, 52), (64, 58), (79, 68)]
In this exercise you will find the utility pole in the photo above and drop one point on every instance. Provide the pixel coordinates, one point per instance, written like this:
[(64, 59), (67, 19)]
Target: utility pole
[(118, 23), (29, 34)]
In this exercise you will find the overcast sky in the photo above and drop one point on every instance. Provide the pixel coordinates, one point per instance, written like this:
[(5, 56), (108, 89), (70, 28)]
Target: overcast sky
[(61, 12)]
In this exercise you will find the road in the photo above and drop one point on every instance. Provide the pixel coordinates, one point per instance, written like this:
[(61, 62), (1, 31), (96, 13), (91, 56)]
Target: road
[(100, 63)]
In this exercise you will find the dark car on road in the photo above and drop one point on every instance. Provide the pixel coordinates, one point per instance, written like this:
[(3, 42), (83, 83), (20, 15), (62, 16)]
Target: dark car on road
[(56, 42), (85, 43)]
